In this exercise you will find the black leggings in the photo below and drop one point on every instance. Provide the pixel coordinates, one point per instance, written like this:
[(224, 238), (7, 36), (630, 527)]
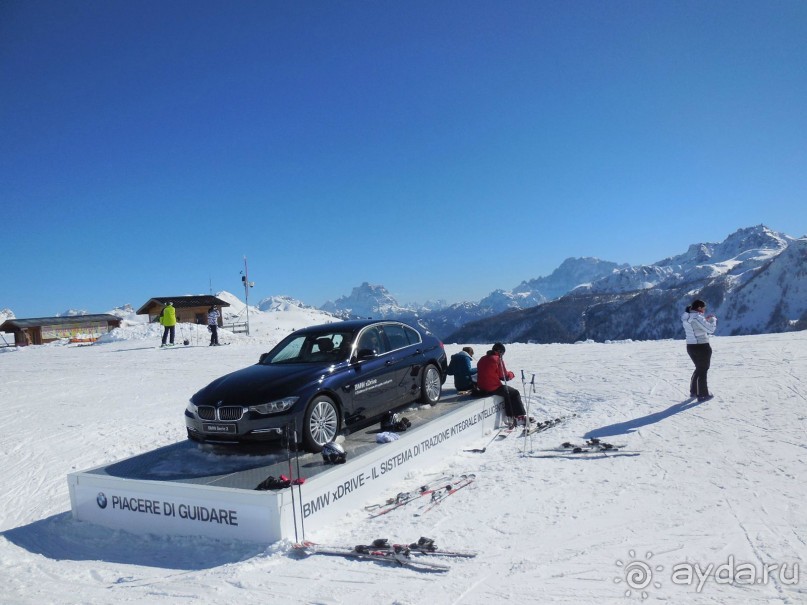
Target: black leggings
[(513, 406), (701, 356)]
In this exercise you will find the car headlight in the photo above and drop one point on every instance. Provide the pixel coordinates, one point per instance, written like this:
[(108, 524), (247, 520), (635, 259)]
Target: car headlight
[(192, 409), (273, 407)]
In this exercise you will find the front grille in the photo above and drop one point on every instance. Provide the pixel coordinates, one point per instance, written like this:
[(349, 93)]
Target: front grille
[(229, 412), (206, 412)]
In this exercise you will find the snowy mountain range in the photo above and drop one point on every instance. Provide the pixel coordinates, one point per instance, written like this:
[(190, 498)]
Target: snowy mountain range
[(755, 282), (369, 300)]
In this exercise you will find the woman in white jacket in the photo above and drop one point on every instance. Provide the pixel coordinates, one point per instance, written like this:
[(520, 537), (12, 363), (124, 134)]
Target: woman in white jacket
[(697, 328)]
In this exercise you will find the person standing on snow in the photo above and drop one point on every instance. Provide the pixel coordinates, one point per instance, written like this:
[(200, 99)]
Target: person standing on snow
[(461, 368), (213, 325), (491, 371), (168, 319), (697, 329)]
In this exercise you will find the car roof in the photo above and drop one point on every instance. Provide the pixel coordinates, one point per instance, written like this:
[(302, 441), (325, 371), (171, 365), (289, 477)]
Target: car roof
[(350, 325)]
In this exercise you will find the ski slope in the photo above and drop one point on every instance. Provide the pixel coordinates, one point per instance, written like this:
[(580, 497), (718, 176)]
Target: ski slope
[(712, 488)]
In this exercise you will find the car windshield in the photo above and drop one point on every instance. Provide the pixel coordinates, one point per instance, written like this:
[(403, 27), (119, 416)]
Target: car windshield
[(317, 347)]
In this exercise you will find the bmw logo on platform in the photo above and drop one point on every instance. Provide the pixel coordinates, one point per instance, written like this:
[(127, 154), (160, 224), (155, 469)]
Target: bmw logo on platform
[(101, 499)]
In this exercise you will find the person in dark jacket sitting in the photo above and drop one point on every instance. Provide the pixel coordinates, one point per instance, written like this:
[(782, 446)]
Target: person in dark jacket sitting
[(461, 368)]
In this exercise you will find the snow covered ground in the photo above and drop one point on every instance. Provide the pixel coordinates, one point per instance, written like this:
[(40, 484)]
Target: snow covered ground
[(713, 489)]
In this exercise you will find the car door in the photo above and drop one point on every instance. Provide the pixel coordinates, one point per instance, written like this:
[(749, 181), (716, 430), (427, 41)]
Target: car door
[(406, 359), (376, 387)]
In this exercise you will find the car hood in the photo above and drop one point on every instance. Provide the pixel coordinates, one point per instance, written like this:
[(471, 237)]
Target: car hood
[(259, 384)]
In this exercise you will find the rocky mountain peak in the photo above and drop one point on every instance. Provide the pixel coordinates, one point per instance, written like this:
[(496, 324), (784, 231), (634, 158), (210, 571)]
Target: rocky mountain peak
[(366, 300)]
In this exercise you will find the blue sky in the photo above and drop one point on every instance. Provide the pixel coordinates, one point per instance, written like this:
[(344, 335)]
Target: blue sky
[(442, 149)]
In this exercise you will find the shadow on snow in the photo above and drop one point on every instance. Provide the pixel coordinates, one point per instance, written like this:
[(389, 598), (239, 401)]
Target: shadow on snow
[(630, 426), (62, 538)]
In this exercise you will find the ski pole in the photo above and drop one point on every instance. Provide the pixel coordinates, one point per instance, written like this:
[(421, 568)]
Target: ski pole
[(526, 424), (482, 450), (523, 384), (291, 484), (299, 486), (526, 410)]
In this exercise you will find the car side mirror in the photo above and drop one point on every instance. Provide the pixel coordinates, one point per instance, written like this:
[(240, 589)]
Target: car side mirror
[(263, 357), (365, 354)]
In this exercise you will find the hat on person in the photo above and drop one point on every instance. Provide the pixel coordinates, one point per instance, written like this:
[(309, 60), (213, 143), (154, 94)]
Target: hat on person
[(498, 348)]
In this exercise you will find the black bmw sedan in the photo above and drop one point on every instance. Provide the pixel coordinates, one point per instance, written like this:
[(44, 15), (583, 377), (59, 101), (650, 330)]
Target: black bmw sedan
[(319, 381)]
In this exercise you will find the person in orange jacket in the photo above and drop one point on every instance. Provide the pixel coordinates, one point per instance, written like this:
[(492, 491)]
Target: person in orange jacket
[(491, 372)]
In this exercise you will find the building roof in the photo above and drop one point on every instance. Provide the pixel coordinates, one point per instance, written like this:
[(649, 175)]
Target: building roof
[(33, 322), (183, 302)]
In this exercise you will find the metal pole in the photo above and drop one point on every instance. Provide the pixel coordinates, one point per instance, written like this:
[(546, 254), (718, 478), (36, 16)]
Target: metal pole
[(246, 290), (527, 421), (291, 484), (299, 488)]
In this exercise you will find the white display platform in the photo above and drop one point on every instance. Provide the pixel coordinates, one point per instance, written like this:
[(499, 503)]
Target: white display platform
[(175, 507)]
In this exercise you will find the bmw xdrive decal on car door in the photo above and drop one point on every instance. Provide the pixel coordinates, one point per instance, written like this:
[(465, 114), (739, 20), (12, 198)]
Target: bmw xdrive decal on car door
[(376, 387)]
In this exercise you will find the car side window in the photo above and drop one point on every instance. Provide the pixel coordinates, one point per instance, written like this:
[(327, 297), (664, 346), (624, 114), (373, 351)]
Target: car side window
[(397, 336), (372, 339), (412, 335)]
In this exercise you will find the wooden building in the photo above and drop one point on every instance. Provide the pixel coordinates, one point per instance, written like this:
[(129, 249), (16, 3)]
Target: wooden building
[(190, 309), (42, 330)]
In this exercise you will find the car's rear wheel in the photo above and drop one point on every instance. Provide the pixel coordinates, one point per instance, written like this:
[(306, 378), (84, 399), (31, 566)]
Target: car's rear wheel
[(320, 424), (431, 385)]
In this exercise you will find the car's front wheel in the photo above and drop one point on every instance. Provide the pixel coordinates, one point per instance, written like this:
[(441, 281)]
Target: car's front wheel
[(320, 424), (431, 385)]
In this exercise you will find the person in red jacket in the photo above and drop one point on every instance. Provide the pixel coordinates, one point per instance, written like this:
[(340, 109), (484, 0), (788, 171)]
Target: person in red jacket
[(490, 373)]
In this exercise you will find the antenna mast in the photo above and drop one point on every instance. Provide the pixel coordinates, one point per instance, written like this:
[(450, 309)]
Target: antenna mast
[(247, 285)]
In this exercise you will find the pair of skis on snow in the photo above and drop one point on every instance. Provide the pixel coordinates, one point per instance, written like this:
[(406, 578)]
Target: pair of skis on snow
[(531, 429), (412, 555), (591, 448), (428, 496), (539, 427)]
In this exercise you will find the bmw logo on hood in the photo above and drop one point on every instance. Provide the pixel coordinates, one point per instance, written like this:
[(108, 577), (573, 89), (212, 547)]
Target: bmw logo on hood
[(101, 500)]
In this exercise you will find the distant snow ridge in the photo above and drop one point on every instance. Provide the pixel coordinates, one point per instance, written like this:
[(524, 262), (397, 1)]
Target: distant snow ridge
[(281, 303), (124, 312), (367, 301), (752, 244), (744, 251), (429, 305), (72, 313), (755, 281), (375, 301), (572, 273), (237, 306)]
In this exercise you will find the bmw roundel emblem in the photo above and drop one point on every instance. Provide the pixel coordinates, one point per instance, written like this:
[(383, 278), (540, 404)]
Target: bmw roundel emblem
[(101, 499)]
